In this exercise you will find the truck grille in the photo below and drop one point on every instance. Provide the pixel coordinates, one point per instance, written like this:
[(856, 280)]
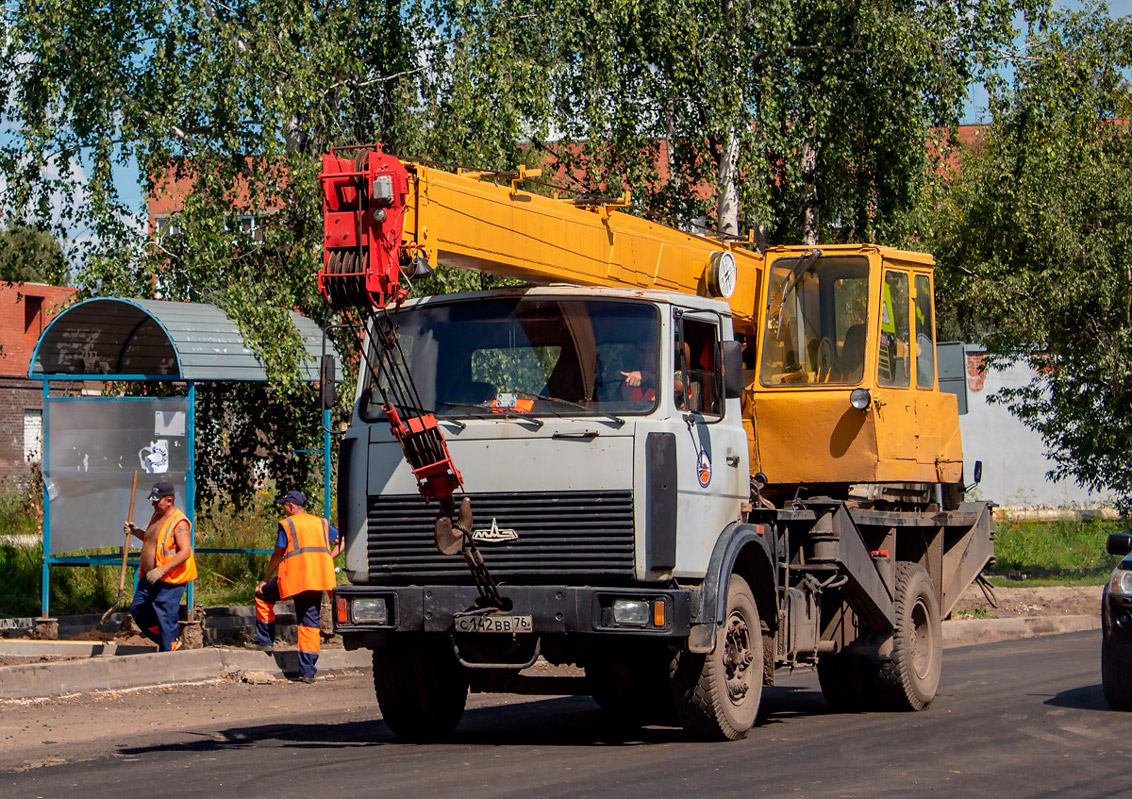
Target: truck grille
[(565, 537)]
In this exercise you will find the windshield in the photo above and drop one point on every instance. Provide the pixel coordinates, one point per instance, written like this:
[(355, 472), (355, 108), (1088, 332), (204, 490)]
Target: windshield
[(538, 356), (816, 321)]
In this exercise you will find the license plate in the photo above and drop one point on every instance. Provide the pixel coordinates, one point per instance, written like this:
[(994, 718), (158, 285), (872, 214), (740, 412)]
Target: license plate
[(495, 623)]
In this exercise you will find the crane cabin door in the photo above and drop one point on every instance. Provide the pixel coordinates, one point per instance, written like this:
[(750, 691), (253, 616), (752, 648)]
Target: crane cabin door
[(711, 444), (894, 397)]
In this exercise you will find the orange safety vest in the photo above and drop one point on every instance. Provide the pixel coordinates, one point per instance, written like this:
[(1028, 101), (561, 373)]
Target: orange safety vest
[(306, 564), (167, 550)]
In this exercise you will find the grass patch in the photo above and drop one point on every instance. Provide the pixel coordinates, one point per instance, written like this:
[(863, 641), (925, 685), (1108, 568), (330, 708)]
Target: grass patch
[(1065, 552)]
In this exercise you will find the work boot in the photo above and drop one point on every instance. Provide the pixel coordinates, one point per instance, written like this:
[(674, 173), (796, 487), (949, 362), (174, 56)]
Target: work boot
[(258, 647)]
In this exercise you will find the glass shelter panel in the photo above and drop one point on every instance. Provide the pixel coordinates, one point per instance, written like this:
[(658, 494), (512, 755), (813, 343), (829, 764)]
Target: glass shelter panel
[(93, 447), (816, 320)]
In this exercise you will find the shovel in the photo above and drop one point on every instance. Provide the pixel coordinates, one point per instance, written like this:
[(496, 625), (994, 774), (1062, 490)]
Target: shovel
[(125, 553)]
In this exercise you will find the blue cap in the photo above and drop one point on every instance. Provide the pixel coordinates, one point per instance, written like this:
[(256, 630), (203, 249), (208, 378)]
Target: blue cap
[(294, 497)]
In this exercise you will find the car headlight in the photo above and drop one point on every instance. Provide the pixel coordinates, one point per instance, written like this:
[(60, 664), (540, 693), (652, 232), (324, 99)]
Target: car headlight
[(631, 611), (370, 611), (1121, 582)]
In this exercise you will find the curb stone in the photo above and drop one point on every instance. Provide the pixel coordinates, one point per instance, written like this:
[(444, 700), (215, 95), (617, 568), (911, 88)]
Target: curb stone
[(964, 632), (39, 680)]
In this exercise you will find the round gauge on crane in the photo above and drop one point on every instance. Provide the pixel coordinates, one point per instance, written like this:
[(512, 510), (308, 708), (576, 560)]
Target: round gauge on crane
[(722, 274)]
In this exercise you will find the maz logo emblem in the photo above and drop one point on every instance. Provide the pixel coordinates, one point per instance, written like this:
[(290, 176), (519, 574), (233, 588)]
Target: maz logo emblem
[(494, 535)]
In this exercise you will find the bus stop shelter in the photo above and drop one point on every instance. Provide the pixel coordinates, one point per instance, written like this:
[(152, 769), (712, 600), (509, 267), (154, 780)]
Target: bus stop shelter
[(93, 444)]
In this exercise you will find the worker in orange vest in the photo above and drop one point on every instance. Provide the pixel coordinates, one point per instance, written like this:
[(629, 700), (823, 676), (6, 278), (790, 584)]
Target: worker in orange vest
[(305, 561), (167, 565)]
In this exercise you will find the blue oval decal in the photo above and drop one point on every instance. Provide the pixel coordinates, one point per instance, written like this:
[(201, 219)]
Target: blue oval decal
[(703, 469)]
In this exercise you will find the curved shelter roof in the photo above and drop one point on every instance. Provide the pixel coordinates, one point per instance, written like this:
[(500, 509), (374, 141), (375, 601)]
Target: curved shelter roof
[(114, 337)]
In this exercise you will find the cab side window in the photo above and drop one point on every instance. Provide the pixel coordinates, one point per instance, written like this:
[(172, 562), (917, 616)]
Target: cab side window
[(697, 370), (925, 334), (894, 358)]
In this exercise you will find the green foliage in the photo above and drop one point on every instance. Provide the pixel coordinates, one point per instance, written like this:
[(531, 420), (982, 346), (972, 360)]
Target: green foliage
[(230, 579), (1065, 552), (1035, 240), (31, 255)]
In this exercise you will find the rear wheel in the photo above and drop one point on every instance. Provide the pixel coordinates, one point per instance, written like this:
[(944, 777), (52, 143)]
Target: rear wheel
[(1116, 679), (717, 695), (421, 688), (911, 679)]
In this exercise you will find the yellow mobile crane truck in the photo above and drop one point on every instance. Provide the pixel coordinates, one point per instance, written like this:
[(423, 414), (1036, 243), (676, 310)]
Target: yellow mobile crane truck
[(680, 463)]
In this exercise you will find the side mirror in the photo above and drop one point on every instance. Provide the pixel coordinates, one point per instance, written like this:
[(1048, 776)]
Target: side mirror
[(978, 476), (327, 383), (731, 358), (1118, 544)]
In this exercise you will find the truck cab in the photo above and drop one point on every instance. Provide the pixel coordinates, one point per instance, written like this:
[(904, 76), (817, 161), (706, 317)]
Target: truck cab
[(590, 426)]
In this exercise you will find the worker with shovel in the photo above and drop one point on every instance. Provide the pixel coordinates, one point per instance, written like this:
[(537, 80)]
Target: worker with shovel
[(167, 565)]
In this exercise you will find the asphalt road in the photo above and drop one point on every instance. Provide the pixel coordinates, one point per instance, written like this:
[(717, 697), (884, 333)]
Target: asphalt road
[(1014, 719)]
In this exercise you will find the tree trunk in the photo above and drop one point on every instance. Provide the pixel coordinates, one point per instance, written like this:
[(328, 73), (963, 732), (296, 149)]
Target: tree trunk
[(727, 194), (810, 219)]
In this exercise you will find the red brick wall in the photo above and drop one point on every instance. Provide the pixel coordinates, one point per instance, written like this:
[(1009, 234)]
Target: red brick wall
[(25, 310)]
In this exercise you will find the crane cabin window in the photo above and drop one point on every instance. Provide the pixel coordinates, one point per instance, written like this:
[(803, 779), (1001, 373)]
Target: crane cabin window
[(925, 333), (895, 339), (538, 356), (816, 321)]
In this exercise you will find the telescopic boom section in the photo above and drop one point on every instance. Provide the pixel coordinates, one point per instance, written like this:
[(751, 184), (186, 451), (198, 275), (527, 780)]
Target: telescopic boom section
[(386, 220), (363, 203)]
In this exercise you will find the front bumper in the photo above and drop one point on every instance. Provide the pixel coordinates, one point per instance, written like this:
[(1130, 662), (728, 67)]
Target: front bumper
[(553, 609)]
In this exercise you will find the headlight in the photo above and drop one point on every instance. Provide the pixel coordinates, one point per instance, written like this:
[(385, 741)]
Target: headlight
[(1121, 582), (370, 611), (860, 398), (631, 611)]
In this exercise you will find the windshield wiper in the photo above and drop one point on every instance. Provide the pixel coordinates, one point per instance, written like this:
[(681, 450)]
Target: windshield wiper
[(804, 266), (527, 395), (487, 412)]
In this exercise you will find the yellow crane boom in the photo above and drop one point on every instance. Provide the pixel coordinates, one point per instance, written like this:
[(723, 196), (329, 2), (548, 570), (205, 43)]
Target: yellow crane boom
[(385, 218)]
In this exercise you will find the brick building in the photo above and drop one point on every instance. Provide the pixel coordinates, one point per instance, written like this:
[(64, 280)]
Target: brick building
[(25, 310)]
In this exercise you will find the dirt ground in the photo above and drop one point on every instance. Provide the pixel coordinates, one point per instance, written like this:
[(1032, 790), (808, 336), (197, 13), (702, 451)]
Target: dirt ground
[(1018, 602)]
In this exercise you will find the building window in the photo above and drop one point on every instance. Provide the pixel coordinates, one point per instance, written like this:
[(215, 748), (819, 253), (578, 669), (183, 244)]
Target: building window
[(252, 226), (32, 306), (163, 227), (33, 436)]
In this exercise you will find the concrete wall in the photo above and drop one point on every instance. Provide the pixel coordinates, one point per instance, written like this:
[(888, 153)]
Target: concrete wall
[(1014, 459)]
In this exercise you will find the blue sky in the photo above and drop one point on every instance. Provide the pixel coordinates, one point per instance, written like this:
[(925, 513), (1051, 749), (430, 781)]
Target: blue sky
[(976, 105)]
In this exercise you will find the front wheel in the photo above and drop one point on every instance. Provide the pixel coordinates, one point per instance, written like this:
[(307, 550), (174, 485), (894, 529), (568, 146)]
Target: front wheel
[(1116, 679), (421, 688), (717, 695)]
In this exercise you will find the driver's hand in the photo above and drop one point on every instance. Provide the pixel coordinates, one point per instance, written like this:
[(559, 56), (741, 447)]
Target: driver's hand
[(632, 379)]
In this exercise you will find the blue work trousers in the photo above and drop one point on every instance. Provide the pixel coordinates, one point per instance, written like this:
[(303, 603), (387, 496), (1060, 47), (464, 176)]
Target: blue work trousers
[(155, 609), (307, 605)]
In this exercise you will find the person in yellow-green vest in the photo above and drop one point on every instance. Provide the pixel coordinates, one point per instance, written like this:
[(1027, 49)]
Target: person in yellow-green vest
[(167, 566), (305, 560)]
